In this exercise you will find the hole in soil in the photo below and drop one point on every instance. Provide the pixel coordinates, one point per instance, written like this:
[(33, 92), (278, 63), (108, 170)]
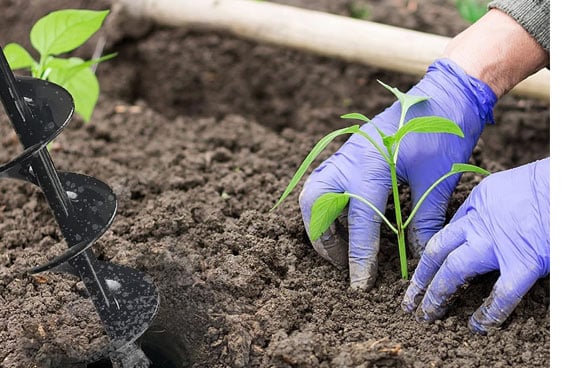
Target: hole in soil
[(164, 351)]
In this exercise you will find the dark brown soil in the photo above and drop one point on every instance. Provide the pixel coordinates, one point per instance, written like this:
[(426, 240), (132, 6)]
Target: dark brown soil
[(198, 133)]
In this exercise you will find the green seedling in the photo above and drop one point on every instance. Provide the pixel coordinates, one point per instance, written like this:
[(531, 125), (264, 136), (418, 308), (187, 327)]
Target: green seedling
[(58, 33), (327, 207), (472, 10)]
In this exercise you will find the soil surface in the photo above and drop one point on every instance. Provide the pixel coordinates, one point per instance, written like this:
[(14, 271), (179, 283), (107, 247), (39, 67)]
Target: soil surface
[(198, 133)]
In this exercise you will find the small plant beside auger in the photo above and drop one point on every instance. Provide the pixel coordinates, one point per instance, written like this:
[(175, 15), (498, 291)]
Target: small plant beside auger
[(84, 208)]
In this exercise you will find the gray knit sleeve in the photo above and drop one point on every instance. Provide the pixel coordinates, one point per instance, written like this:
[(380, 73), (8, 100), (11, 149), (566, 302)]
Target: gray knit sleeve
[(533, 15)]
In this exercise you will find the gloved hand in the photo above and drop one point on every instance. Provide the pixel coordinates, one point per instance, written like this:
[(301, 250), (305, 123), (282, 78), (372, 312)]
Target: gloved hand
[(503, 225), (357, 167)]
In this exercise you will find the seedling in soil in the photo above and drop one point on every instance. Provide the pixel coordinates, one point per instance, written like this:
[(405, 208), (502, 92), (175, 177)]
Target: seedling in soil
[(57, 33), (328, 206)]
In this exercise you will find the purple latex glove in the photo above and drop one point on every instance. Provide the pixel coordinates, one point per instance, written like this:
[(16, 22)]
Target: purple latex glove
[(503, 225), (357, 167)]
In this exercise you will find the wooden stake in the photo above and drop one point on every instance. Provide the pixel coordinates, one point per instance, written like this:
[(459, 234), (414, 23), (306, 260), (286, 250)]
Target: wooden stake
[(373, 44)]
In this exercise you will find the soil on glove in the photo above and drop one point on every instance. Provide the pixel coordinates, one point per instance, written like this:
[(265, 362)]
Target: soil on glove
[(198, 133)]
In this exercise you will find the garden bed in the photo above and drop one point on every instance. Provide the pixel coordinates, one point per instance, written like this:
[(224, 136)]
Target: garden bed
[(198, 133)]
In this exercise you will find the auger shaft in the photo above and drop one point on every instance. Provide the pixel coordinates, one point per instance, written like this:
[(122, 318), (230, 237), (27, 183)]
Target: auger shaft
[(84, 208)]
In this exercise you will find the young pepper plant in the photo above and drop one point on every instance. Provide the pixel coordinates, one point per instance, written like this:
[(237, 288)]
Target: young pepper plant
[(57, 33), (328, 206)]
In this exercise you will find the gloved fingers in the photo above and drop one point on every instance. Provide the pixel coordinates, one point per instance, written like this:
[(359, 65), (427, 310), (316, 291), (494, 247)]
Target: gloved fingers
[(355, 165), (439, 247), (333, 244), (364, 236), (431, 215), (505, 296), (461, 265)]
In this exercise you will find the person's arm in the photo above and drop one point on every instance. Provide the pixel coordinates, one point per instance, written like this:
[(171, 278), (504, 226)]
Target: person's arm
[(532, 15), (498, 50)]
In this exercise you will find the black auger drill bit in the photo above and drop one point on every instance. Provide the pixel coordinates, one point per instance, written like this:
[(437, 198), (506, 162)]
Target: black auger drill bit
[(84, 207)]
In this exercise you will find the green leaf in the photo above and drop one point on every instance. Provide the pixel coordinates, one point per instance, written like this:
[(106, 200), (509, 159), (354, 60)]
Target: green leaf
[(460, 168), (324, 211), (84, 87), (67, 68), (472, 10), (406, 100), (388, 141), (74, 75), (456, 169), (18, 57), (359, 11), (92, 62), (65, 30), (395, 91), (428, 124), (356, 116), (58, 70), (320, 146)]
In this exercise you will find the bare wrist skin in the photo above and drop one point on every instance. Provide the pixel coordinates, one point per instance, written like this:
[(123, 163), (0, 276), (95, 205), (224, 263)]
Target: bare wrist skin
[(498, 51)]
